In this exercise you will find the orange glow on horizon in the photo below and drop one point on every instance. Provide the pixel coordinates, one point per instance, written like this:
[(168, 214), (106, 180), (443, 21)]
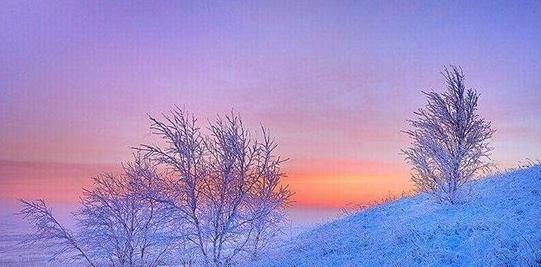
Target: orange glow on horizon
[(327, 183), (316, 183), (54, 182), (342, 191)]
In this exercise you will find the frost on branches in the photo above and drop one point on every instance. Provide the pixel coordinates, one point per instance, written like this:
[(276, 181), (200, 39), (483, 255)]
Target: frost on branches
[(449, 140), (115, 225), (211, 198), (223, 189)]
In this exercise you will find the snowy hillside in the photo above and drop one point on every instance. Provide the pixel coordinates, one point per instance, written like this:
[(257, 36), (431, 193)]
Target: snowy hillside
[(499, 226)]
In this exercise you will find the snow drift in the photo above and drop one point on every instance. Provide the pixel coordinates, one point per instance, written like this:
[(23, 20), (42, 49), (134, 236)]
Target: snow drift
[(499, 225)]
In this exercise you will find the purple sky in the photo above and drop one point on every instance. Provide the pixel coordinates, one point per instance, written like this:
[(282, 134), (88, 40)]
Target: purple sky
[(334, 81)]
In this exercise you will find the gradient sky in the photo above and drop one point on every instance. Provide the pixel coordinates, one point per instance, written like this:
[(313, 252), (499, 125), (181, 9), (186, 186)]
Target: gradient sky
[(335, 82)]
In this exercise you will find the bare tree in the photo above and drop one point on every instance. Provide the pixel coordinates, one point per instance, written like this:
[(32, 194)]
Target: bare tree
[(218, 198), (50, 232), (116, 226), (224, 187), (449, 140)]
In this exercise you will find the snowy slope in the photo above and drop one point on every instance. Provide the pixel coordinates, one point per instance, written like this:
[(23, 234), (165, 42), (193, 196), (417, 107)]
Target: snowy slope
[(499, 226)]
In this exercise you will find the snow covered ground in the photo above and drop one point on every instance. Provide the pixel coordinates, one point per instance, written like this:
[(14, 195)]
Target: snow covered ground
[(499, 226), (11, 233), (13, 229)]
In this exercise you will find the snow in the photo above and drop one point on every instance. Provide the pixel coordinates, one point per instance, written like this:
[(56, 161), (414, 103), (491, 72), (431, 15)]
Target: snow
[(500, 225), (13, 229)]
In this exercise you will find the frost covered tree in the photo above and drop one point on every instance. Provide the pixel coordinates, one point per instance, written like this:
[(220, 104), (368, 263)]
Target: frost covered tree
[(115, 225), (449, 140), (223, 187)]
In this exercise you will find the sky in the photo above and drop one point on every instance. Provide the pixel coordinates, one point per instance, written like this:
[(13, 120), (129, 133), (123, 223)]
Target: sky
[(334, 81)]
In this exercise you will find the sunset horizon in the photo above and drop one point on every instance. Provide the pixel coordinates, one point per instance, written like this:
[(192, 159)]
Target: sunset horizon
[(369, 102)]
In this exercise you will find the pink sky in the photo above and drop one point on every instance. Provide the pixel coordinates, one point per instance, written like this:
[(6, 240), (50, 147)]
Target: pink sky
[(335, 83)]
